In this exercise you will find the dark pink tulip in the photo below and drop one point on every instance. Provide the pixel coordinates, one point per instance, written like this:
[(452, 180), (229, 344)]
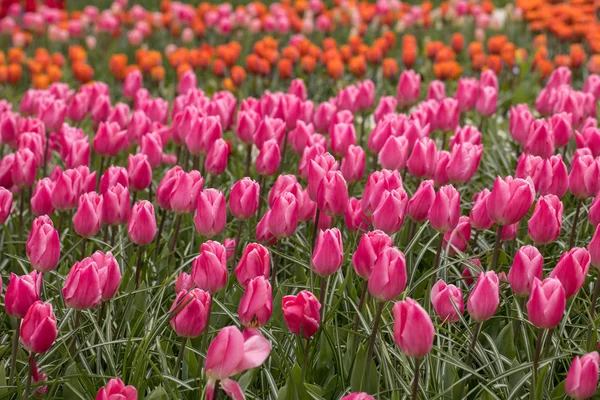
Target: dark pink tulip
[(243, 199), (183, 196), (409, 85), (553, 177), (489, 78), (545, 223), (520, 121), (151, 146), (384, 129), (509, 200), (165, 188), (263, 234), (187, 82), (440, 176), (141, 226), (571, 270), (284, 215), (527, 264), (216, 159), (298, 89), (157, 110), (43, 245), (370, 247), (436, 91), (66, 190), (211, 213), (323, 116), (391, 210), (116, 389), (342, 136), (589, 138), (584, 179), (301, 136), (269, 158), (112, 176), (413, 329), (447, 301), (119, 114), (366, 94), (420, 202), (6, 166), (110, 139), (256, 304), (387, 105), (78, 108), (116, 205), (464, 162), (354, 217), (328, 254), (318, 168), (138, 127), (301, 313), (6, 200), (191, 316), (394, 153), (38, 329), (332, 195), (582, 378), (34, 143), (377, 183), (448, 115), (88, 216), (109, 273), (387, 278), (358, 396), (209, 269), (562, 128), (21, 293), (269, 128), (353, 164), (458, 239), (139, 172), (485, 297), (444, 212), (255, 261), (24, 168), (308, 155), (423, 158), (466, 93), (546, 304), (131, 84), (204, 133), (509, 232), (78, 154), (465, 134), (184, 282), (487, 100), (186, 123), (285, 183), (82, 288), (540, 140), (52, 113)]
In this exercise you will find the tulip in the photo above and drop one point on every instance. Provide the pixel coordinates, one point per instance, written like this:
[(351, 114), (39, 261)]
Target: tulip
[(203, 134), (284, 215), (466, 94), (285, 183), (110, 139), (479, 217), (388, 277), (24, 168), (332, 194), (139, 172), (263, 234), (582, 378), (41, 200), (132, 83), (358, 396), (116, 390), (464, 162), (440, 175), (436, 91), (256, 304), (301, 313), (230, 353), (66, 190), (151, 146), (216, 159), (562, 128), (553, 177), (180, 190), (88, 217), (444, 213), (38, 329), (448, 114), (269, 128), (116, 205), (243, 199), (447, 301), (82, 288), (184, 282), (370, 247), (255, 262), (584, 178), (389, 214), (509, 200), (187, 82), (485, 297), (323, 116), (466, 134), (387, 105), (354, 217), (21, 293), (394, 153), (211, 214), (6, 199), (519, 122), (190, 313), (301, 136), (353, 164), (141, 226), (421, 201), (409, 85), (342, 136), (316, 172), (423, 158), (458, 239), (43, 245), (269, 158), (546, 221), (112, 176), (209, 269), (546, 304), (594, 249), (413, 329), (540, 140), (328, 253), (527, 265), (486, 102), (382, 132), (571, 270), (377, 183), (79, 107)]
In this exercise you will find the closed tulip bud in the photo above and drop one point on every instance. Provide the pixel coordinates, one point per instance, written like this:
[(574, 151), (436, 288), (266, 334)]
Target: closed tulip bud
[(510, 232), (571, 270), (409, 85), (353, 164), (594, 248), (553, 177), (79, 107), (388, 277), (423, 158), (88, 217), (116, 205), (112, 176), (21, 293), (301, 136), (366, 94), (298, 89), (256, 304), (211, 213), (269, 128), (284, 215), (413, 329), (184, 282), (263, 234), (132, 83), (447, 301), (216, 159), (269, 158), (119, 114), (478, 216), (6, 200), (377, 183), (466, 134), (389, 214), (509, 200), (328, 254), (444, 213), (342, 136), (466, 94), (318, 168), (358, 396), (138, 127), (370, 247), (593, 213), (66, 190), (141, 226), (382, 132), (203, 134), (110, 139), (527, 264), (38, 329), (285, 183), (209, 269), (588, 138), (394, 153), (139, 171), (116, 390), (485, 297), (387, 105), (458, 239), (82, 288), (308, 155), (301, 313), (464, 162), (546, 221), (255, 261), (562, 128), (546, 304), (187, 82), (448, 114), (582, 378), (181, 190), (24, 168), (151, 146), (354, 217), (243, 199), (540, 141), (584, 179), (43, 245), (519, 122), (487, 100), (436, 91), (323, 116), (190, 313), (332, 195), (420, 202)]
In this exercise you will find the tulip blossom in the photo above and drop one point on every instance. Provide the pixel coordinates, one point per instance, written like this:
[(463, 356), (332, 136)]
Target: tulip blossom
[(43, 245), (116, 389), (545, 223), (447, 301), (509, 200), (388, 276), (209, 269), (485, 297), (370, 247), (547, 302), (527, 264), (582, 378), (256, 304), (444, 212), (413, 329), (38, 329), (190, 313), (21, 293), (301, 313), (571, 270), (389, 214), (328, 254), (211, 214), (255, 262)]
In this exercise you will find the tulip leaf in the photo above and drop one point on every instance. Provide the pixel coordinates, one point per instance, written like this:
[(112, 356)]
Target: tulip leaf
[(358, 381), (3, 388), (559, 391), (158, 394), (505, 341), (246, 378), (73, 388), (294, 388)]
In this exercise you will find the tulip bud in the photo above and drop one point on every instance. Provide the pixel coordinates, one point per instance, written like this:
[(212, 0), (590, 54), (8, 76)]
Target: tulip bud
[(353, 164), (423, 158), (43, 245), (463, 162), (66, 190), (82, 288), (358, 396), (354, 217), (594, 248), (413, 329), (546, 221), (216, 159), (485, 297), (284, 215), (458, 239), (571, 270), (109, 273), (317, 170), (546, 304), (582, 378), (116, 389), (184, 282), (6, 199), (191, 311), (21, 293), (394, 153), (88, 217), (562, 128), (24, 168), (255, 262), (141, 226), (301, 313), (256, 304), (243, 199), (389, 214), (436, 91), (38, 329), (139, 171), (183, 190), (269, 158), (387, 105), (447, 301), (388, 276), (466, 94), (487, 100), (342, 136), (421, 201), (509, 200), (112, 176), (584, 179), (203, 134), (41, 200), (445, 210), (527, 264), (465, 134), (520, 120), (377, 183), (211, 214), (116, 205), (370, 247), (132, 83), (328, 254), (209, 269), (409, 85), (110, 139), (332, 194)]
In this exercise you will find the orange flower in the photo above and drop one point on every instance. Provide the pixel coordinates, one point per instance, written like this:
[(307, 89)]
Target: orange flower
[(58, 59), (330, 43), (496, 43), (562, 60), (457, 41), (358, 66), (82, 72), (594, 64), (34, 67), (544, 67), (78, 53), (41, 81), (15, 55), (577, 55), (494, 63), (508, 54), (540, 40), (374, 55), (474, 48), (117, 65), (354, 42), (291, 53), (218, 67), (335, 68), (389, 68), (238, 75), (409, 56), (284, 67), (521, 55), (346, 52), (447, 70), (181, 69), (264, 67), (54, 73), (2, 58), (445, 54), (431, 48), (308, 64), (3, 73), (157, 73), (478, 61)]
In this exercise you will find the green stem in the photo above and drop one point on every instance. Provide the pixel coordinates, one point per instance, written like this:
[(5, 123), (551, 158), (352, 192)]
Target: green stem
[(305, 361), (415, 386), (73, 346), (238, 237), (275, 264), (436, 260), (179, 357), (476, 331), (248, 159), (574, 227), (15, 351), (361, 303), (163, 217), (29, 375), (372, 340), (138, 269), (323, 297), (496, 252), (536, 362)]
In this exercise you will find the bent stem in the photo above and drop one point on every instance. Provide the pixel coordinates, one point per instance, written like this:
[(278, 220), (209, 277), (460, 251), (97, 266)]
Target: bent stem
[(179, 357), (29, 375), (138, 269), (380, 306), (574, 227), (15, 351), (536, 362), (415, 386), (496, 253)]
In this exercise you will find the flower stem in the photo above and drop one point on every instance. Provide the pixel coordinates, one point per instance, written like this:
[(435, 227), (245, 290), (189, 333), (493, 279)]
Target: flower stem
[(83, 247), (371, 348), (179, 357), (361, 303), (536, 361), (73, 345), (575, 221), (305, 361), (163, 217), (315, 229), (175, 235), (275, 264), (29, 375), (248, 159), (436, 260), (415, 386), (469, 359), (496, 247), (323, 296), (138, 269), (238, 237), (15, 351)]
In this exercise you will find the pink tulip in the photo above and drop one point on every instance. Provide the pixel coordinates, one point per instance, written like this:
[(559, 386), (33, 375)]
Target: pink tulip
[(263, 234), (285, 183), (527, 265), (440, 175), (354, 217), (6, 200), (284, 215), (465, 134), (519, 122), (243, 199), (447, 301), (116, 205), (545, 223), (41, 200), (358, 396), (255, 262), (109, 273), (540, 140), (423, 158), (203, 134), (87, 220), (409, 85), (301, 313), (584, 178), (82, 288), (546, 304), (571, 270), (247, 122), (116, 390), (342, 136), (485, 297), (562, 128), (131, 84), (444, 213), (269, 128), (110, 139), (184, 282), (141, 226), (388, 277), (464, 162), (487, 100), (323, 116), (256, 304), (216, 159), (370, 247), (366, 94), (582, 378), (377, 183), (211, 213), (192, 311), (436, 91), (448, 114), (458, 239), (391, 210), (66, 190), (43, 245), (269, 158), (79, 107), (188, 81), (209, 269), (301, 136), (332, 194), (298, 89), (413, 329), (151, 145), (38, 329), (316, 172), (24, 168), (353, 164), (21, 293), (328, 254), (466, 94), (420, 202), (394, 153), (509, 200), (139, 172), (594, 248)]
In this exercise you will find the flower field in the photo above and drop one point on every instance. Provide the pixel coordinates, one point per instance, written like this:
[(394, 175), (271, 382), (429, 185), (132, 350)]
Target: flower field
[(299, 200)]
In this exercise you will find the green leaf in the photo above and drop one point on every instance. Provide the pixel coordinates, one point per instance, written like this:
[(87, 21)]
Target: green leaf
[(3, 389), (73, 388), (359, 382), (505, 341), (294, 388), (158, 394), (559, 391)]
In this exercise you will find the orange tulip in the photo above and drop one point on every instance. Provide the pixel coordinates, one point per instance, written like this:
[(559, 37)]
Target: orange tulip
[(14, 73), (238, 75), (389, 68)]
